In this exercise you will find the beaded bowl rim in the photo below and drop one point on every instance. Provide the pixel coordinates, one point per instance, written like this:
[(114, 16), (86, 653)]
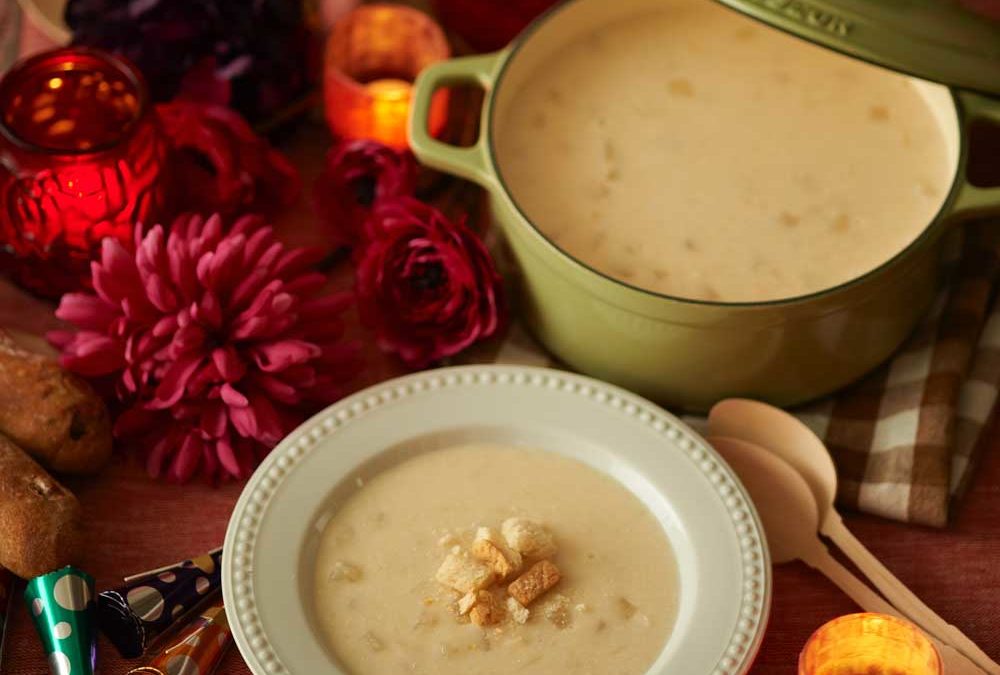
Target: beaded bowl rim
[(238, 582)]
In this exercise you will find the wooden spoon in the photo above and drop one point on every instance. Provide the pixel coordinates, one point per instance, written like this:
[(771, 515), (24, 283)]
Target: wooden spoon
[(784, 435), (790, 517)]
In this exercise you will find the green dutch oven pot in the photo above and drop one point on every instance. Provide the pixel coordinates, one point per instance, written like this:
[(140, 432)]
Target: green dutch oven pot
[(691, 353)]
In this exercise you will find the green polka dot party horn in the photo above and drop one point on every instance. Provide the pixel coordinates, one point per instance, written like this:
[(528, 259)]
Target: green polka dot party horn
[(65, 614)]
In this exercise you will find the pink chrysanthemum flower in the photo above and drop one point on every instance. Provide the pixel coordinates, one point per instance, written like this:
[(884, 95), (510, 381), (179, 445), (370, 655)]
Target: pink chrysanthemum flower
[(218, 343)]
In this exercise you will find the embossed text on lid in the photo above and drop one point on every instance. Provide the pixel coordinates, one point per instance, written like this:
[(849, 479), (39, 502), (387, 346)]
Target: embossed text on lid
[(937, 40)]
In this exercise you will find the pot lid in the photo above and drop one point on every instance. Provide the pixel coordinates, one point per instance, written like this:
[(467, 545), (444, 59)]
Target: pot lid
[(940, 40)]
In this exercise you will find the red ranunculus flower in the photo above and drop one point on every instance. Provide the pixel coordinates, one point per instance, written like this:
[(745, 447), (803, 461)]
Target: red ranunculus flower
[(358, 174), (221, 166), (427, 286)]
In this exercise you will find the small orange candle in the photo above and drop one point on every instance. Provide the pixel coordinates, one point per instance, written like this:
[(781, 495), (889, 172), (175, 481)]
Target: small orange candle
[(869, 644), (373, 54)]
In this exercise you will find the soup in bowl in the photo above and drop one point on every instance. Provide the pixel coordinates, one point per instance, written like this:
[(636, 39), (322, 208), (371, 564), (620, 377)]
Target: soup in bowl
[(406, 579)]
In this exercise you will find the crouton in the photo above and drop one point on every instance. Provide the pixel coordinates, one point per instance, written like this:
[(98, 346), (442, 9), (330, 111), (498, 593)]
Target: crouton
[(466, 602), (490, 548), (528, 538), (529, 586), (464, 574), (345, 571), (487, 611), (517, 611), (626, 608)]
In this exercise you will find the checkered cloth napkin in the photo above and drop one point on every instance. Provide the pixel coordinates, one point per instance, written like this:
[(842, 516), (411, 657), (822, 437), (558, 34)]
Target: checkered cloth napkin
[(905, 438)]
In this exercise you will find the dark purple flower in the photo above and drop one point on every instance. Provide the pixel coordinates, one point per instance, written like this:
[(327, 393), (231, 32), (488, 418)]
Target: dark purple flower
[(256, 48)]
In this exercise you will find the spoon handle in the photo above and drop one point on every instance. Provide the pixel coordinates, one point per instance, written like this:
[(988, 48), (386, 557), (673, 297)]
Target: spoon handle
[(955, 663), (902, 597), (856, 590)]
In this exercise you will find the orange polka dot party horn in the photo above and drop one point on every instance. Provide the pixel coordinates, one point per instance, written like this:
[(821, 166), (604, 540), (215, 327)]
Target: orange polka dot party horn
[(148, 605), (197, 649)]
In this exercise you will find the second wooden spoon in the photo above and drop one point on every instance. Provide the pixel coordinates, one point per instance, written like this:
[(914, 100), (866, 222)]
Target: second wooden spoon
[(788, 512), (784, 435)]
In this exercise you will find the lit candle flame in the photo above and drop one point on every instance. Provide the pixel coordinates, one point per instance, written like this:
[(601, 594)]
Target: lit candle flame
[(390, 108)]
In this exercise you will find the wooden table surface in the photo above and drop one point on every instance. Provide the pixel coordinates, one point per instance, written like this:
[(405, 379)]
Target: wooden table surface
[(136, 524)]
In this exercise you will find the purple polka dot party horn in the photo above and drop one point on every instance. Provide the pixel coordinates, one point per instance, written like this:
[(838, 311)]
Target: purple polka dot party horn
[(62, 606), (150, 604)]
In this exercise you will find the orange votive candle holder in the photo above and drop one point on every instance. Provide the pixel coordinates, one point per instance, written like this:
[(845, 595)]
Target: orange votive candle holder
[(869, 644), (373, 54)]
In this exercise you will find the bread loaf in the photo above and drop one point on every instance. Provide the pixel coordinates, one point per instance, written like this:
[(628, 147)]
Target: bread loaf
[(52, 415), (40, 520)]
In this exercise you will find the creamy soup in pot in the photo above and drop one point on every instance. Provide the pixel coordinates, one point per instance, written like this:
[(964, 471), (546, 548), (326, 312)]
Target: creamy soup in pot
[(697, 153), (493, 560)]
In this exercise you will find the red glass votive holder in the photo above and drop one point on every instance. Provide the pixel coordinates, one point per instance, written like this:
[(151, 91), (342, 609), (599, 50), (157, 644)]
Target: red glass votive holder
[(81, 158), (373, 54)]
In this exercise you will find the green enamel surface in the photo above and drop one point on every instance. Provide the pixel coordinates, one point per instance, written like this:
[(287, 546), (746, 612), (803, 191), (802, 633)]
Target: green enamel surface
[(472, 163), (971, 199)]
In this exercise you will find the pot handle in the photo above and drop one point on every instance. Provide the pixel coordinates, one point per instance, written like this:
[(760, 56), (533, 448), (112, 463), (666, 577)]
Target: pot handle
[(972, 200), (472, 162)]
